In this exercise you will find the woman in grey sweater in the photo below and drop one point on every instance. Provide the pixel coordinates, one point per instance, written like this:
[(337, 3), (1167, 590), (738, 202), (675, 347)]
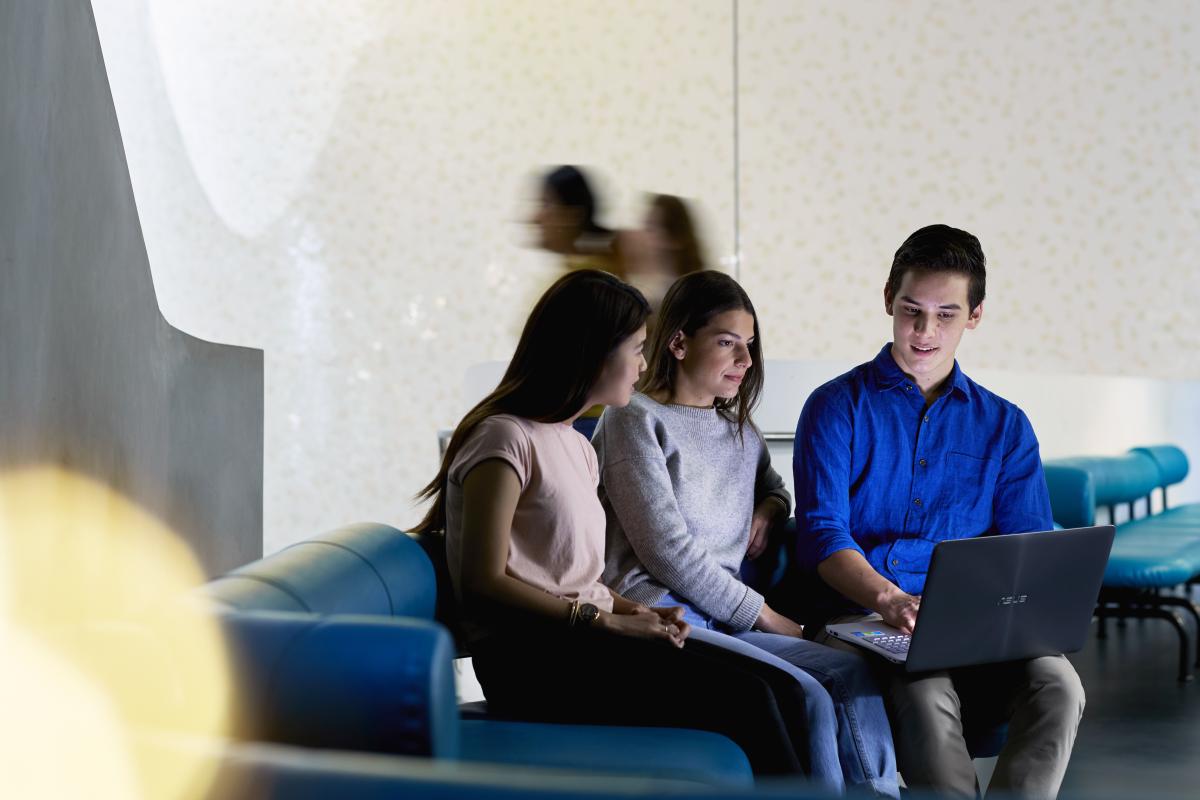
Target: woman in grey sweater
[(688, 490)]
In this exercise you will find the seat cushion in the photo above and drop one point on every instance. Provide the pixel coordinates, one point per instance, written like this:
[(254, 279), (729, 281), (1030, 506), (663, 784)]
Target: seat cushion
[(1153, 553), (676, 753), (1184, 516)]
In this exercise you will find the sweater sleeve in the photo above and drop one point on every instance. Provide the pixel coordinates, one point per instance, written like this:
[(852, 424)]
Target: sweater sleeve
[(768, 482), (635, 478)]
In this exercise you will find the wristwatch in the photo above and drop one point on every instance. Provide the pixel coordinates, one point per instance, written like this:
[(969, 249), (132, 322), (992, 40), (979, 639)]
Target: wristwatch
[(588, 614)]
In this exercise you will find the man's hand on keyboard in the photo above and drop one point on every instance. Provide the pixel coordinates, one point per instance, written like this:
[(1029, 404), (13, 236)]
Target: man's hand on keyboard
[(899, 609)]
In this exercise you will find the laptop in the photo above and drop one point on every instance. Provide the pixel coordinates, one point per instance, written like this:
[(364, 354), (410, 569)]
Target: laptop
[(997, 598)]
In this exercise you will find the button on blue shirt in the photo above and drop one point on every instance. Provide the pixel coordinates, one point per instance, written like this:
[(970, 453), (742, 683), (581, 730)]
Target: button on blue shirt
[(878, 472)]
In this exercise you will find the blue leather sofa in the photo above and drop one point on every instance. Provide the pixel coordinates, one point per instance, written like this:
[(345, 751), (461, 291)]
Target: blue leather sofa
[(265, 771), (1152, 555), (335, 646), (270, 771)]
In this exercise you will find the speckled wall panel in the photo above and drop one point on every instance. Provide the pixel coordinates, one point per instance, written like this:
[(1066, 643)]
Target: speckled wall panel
[(345, 187), (1064, 135)]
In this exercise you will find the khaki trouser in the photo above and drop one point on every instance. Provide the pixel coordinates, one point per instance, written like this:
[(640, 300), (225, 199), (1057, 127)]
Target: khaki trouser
[(1041, 698)]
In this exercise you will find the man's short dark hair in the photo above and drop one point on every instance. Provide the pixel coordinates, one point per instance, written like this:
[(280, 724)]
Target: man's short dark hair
[(940, 248)]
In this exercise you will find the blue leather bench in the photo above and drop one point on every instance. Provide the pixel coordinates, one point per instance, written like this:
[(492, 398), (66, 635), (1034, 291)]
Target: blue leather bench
[(335, 645), (1153, 554)]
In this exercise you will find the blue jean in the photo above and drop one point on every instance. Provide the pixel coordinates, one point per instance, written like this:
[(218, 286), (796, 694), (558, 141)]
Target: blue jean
[(850, 739)]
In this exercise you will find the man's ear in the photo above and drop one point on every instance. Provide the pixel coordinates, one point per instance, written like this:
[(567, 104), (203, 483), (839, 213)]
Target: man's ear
[(887, 298), (678, 345), (975, 316)]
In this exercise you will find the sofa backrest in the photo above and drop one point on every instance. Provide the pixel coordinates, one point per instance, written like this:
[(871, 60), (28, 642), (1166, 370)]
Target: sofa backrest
[(1079, 484), (368, 568), (1116, 479), (1172, 462)]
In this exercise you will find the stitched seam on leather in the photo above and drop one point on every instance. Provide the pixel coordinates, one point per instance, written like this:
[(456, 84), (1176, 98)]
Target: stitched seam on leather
[(370, 566), (283, 587), (424, 710)]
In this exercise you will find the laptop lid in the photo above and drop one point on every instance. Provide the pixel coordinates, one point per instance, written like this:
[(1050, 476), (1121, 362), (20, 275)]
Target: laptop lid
[(1002, 598)]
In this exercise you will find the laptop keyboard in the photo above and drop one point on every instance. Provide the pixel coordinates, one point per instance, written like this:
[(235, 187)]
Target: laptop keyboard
[(894, 643)]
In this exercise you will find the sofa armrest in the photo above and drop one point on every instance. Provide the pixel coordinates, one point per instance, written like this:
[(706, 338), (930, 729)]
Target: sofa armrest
[(1072, 494), (353, 683)]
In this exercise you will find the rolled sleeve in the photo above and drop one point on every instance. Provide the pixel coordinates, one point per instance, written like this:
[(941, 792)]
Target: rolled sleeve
[(821, 469), (1021, 502), (498, 438)]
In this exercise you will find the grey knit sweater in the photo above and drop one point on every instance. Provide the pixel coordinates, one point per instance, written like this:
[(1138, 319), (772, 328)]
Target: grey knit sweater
[(679, 488)]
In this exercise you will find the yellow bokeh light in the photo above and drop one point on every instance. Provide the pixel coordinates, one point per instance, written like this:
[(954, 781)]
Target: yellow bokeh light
[(100, 644)]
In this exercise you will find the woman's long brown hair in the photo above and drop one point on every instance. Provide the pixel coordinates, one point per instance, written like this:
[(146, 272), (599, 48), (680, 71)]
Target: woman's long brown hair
[(570, 334), (690, 304), (676, 221)]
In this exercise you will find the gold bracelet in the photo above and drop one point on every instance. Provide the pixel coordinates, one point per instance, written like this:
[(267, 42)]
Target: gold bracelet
[(573, 616)]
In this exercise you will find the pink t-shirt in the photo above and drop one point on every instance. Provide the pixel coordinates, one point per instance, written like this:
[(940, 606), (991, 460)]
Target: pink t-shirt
[(557, 538)]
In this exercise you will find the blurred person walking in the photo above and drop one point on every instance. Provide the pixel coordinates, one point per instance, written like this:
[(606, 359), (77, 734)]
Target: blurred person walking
[(667, 248), (567, 224)]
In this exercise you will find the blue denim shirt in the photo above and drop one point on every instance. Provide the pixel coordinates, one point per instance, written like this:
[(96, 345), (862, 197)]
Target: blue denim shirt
[(879, 473)]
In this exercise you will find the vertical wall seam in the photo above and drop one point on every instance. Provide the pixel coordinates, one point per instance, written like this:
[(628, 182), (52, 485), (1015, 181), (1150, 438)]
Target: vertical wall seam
[(737, 165)]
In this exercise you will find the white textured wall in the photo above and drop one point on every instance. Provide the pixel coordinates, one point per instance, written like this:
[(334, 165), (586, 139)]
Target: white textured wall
[(342, 186), (1064, 135)]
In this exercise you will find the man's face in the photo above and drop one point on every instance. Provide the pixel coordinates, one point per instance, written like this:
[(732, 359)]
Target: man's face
[(929, 314)]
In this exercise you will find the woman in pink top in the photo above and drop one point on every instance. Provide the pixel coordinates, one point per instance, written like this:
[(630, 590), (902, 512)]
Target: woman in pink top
[(516, 497)]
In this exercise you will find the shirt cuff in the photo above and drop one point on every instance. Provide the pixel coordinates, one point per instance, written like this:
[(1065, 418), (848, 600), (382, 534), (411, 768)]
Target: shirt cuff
[(831, 543), (747, 611)]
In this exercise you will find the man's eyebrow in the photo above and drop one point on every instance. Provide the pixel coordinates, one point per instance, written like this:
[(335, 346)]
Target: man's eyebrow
[(911, 302)]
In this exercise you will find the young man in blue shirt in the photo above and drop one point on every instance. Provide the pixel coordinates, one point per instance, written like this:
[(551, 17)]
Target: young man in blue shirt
[(903, 452)]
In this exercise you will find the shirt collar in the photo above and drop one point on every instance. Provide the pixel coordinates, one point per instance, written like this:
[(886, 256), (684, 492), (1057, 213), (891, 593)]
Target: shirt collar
[(887, 374)]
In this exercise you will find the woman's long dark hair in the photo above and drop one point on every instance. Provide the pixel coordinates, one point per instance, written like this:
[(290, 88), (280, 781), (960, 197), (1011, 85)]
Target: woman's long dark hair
[(690, 304), (572, 331)]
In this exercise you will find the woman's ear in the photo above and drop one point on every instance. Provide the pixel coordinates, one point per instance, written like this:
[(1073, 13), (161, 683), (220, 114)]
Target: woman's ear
[(678, 345)]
